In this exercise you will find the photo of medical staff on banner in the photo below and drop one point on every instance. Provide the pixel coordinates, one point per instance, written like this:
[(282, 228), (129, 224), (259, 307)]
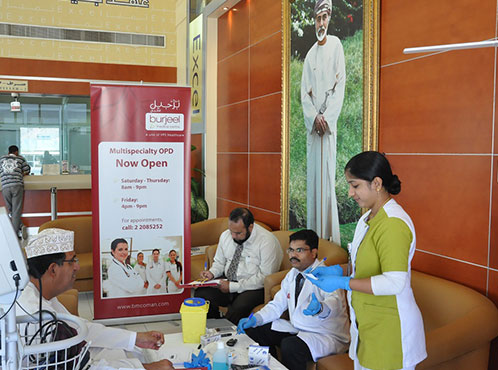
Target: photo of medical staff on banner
[(326, 99), (155, 268)]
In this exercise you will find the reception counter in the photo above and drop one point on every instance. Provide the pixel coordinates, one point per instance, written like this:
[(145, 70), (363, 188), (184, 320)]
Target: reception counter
[(73, 198), (61, 182)]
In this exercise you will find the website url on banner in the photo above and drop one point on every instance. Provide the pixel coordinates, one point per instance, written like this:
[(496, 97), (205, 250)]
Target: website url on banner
[(142, 305)]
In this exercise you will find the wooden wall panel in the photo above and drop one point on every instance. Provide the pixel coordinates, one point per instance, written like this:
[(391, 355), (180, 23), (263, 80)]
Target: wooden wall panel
[(233, 31), (437, 194), (264, 20), (428, 22), (91, 71), (265, 121), (233, 74), (427, 107), (233, 177), (265, 75), (233, 123), (80, 70), (249, 110), (436, 125), (38, 201)]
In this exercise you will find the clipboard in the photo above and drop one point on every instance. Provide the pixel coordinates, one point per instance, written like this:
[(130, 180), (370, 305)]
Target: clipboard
[(201, 283)]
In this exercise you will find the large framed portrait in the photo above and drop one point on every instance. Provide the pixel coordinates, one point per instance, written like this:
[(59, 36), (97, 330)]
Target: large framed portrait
[(329, 111)]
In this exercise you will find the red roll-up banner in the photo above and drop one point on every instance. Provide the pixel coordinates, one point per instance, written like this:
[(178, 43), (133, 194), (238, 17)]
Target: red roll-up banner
[(140, 199)]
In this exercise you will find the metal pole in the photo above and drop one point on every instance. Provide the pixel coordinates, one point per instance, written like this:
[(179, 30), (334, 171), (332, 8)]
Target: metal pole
[(448, 47), (53, 203), (9, 337)]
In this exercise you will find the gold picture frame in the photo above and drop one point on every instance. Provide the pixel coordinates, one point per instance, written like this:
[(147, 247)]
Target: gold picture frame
[(371, 15)]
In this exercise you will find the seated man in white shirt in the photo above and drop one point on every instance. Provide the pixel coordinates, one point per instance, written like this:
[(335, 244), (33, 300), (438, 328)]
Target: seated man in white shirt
[(318, 325), (246, 254), (52, 267)]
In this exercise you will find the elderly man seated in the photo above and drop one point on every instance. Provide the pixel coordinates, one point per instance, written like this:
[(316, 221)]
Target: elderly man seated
[(319, 323), (52, 267)]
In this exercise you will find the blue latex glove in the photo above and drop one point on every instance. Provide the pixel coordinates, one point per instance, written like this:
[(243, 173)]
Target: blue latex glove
[(323, 271), (314, 307), (330, 283), (246, 323), (198, 361)]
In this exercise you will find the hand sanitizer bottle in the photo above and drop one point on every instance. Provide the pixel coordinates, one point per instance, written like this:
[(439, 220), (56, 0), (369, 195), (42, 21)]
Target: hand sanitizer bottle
[(220, 358)]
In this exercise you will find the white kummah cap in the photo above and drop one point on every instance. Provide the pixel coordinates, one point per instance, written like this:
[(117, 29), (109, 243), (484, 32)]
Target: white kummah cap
[(323, 5), (50, 241)]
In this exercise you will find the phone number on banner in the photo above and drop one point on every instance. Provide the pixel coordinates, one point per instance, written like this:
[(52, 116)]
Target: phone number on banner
[(143, 227)]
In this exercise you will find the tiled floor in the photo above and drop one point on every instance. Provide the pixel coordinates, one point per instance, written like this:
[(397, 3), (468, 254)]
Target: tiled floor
[(85, 308)]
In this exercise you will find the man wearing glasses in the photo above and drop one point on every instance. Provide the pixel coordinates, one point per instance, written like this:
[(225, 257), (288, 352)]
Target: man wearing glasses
[(318, 324), (246, 254), (52, 267)]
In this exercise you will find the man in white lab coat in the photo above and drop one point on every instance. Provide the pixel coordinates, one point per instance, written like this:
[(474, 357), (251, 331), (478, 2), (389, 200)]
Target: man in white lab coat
[(318, 324), (52, 266), (322, 94)]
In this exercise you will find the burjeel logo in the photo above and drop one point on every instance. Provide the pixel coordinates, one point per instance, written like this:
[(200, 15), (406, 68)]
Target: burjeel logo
[(164, 122)]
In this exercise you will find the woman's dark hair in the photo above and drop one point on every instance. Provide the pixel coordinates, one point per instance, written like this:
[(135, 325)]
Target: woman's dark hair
[(369, 165), (178, 263), (115, 243)]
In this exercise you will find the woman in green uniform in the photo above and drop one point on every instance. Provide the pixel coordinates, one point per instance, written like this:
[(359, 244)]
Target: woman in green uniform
[(387, 330)]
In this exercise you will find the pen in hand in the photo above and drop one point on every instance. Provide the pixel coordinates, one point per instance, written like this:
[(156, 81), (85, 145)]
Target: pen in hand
[(321, 263), (203, 275), (241, 326)]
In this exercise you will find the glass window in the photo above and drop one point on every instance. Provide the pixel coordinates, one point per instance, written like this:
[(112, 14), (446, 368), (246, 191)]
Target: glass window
[(49, 130), (197, 7)]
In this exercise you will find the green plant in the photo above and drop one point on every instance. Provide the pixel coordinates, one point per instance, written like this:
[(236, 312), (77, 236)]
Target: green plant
[(199, 210)]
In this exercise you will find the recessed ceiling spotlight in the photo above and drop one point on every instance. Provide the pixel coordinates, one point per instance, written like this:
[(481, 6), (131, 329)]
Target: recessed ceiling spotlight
[(235, 9), (225, 8)]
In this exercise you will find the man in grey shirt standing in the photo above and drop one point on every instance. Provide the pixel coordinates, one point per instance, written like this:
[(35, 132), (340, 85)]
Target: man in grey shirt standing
[(13, 168)]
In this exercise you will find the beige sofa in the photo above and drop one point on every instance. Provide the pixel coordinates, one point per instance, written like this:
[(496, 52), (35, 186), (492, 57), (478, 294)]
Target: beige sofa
[(333, 252), (459, 325), (202, 233), (69, 299), (206, 233)]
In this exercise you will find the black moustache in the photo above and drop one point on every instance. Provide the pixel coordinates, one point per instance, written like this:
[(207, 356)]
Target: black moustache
[(295, 259)]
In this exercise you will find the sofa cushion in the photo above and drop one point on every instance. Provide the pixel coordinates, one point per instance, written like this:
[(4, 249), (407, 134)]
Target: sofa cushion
[(208, 232), (274, 290), (82, 227), (69, 299), (336, 362), (86, 266)]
